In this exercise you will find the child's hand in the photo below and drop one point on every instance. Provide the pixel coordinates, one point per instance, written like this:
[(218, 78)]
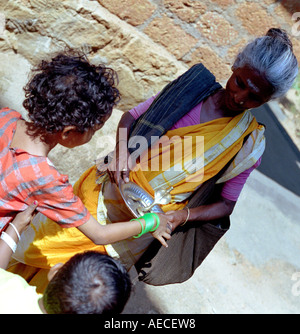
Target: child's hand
[(164, 230), (19, 224)]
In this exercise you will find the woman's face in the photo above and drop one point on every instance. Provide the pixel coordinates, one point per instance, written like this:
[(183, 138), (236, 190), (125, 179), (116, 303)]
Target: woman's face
[(246, 89)]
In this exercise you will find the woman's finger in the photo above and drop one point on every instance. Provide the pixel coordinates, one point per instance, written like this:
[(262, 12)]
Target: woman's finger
[(30, 210), (125, 175)]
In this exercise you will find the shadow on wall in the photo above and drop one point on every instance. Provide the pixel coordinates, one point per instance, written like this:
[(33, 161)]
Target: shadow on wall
[(281, 160)]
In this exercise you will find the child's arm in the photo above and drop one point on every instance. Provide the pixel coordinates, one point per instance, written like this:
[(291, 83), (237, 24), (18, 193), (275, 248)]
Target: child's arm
[(10, 237), (107, 234)]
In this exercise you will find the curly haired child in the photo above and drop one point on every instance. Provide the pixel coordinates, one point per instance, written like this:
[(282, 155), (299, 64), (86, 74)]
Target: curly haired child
[(68, 99)]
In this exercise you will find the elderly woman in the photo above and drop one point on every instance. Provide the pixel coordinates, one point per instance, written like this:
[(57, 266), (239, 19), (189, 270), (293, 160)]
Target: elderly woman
[(205, 184)]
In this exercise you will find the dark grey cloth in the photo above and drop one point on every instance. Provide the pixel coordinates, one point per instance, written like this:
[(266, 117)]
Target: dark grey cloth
[(176, 99), (188, 247)]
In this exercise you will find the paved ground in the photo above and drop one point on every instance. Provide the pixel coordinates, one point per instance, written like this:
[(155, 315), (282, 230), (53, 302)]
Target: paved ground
[(255, 268), (250, 271)]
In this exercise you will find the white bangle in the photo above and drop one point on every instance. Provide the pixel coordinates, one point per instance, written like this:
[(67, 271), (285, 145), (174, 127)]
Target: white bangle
[(188, 216), (17, 232), (9, 241)]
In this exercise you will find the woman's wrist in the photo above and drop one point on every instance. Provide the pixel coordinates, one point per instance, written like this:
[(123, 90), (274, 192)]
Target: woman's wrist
[(14, 232), (17, 227), (187, 217), (11, 237), (121, 140)]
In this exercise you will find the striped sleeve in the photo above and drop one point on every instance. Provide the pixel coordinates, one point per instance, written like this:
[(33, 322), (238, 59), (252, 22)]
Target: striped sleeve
[(55, 196)]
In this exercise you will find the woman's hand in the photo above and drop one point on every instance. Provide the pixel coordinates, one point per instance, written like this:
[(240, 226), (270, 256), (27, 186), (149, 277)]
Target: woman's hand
[(164, 229), (13, 231), (119, 167), (177, 218), (23, 219)]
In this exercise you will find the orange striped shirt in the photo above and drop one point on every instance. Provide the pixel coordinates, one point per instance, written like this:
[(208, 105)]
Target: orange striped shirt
[(25, 178)]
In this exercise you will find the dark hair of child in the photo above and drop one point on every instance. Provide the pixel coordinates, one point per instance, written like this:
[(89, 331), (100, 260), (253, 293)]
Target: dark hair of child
[(89, 283), (69, 90)]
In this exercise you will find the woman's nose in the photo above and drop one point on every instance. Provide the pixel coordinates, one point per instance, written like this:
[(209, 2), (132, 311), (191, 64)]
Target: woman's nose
[(240, 98)]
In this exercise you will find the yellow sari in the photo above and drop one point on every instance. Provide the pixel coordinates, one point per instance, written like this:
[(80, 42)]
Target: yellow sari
[(46, 243)]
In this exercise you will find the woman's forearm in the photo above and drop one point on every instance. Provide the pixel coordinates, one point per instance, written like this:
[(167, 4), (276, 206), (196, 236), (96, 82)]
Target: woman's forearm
[(213, 211), (204, 213), (12, 234), (5, 250), (124, 127), (122, 163)]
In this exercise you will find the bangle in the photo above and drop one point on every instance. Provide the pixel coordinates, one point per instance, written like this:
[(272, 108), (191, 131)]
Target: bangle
[(9, 241), (150, 220), (188, 216), (17, 232), (142, 226)]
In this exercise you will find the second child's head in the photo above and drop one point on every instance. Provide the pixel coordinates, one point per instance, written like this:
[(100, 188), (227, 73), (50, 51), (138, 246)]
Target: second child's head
[(70, 96), (89, 283)]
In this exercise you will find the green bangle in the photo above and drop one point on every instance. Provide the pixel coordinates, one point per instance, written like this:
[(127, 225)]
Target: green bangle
[(154, 218), (150, 220), (142, 226)]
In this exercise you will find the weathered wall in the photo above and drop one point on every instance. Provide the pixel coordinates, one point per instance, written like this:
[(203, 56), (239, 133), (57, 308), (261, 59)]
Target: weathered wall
[(147, 42), (211, 31), (35, 29)]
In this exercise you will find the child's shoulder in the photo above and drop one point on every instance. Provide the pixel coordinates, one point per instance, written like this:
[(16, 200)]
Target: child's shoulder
[(7, 110), (8, 113), (47, 168)]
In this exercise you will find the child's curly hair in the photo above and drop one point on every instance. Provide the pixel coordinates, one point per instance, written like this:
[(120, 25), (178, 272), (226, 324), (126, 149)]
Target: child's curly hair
[(68, 90)]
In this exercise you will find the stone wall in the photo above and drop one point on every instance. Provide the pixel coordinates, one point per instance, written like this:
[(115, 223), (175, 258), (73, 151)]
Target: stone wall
[(147, 42), (211, 31)]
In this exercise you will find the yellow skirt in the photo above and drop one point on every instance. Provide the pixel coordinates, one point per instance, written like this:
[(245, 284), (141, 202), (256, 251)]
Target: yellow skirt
[(45, 243)]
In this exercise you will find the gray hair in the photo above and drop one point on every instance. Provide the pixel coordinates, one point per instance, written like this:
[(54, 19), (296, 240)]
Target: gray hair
[(272, 55)]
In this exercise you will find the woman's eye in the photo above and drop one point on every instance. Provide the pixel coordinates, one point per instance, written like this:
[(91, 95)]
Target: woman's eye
[(239, 82)]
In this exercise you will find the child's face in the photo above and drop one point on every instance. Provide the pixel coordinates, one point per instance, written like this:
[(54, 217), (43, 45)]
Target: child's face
[(72, 138), (88, 135), (76, 138)]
